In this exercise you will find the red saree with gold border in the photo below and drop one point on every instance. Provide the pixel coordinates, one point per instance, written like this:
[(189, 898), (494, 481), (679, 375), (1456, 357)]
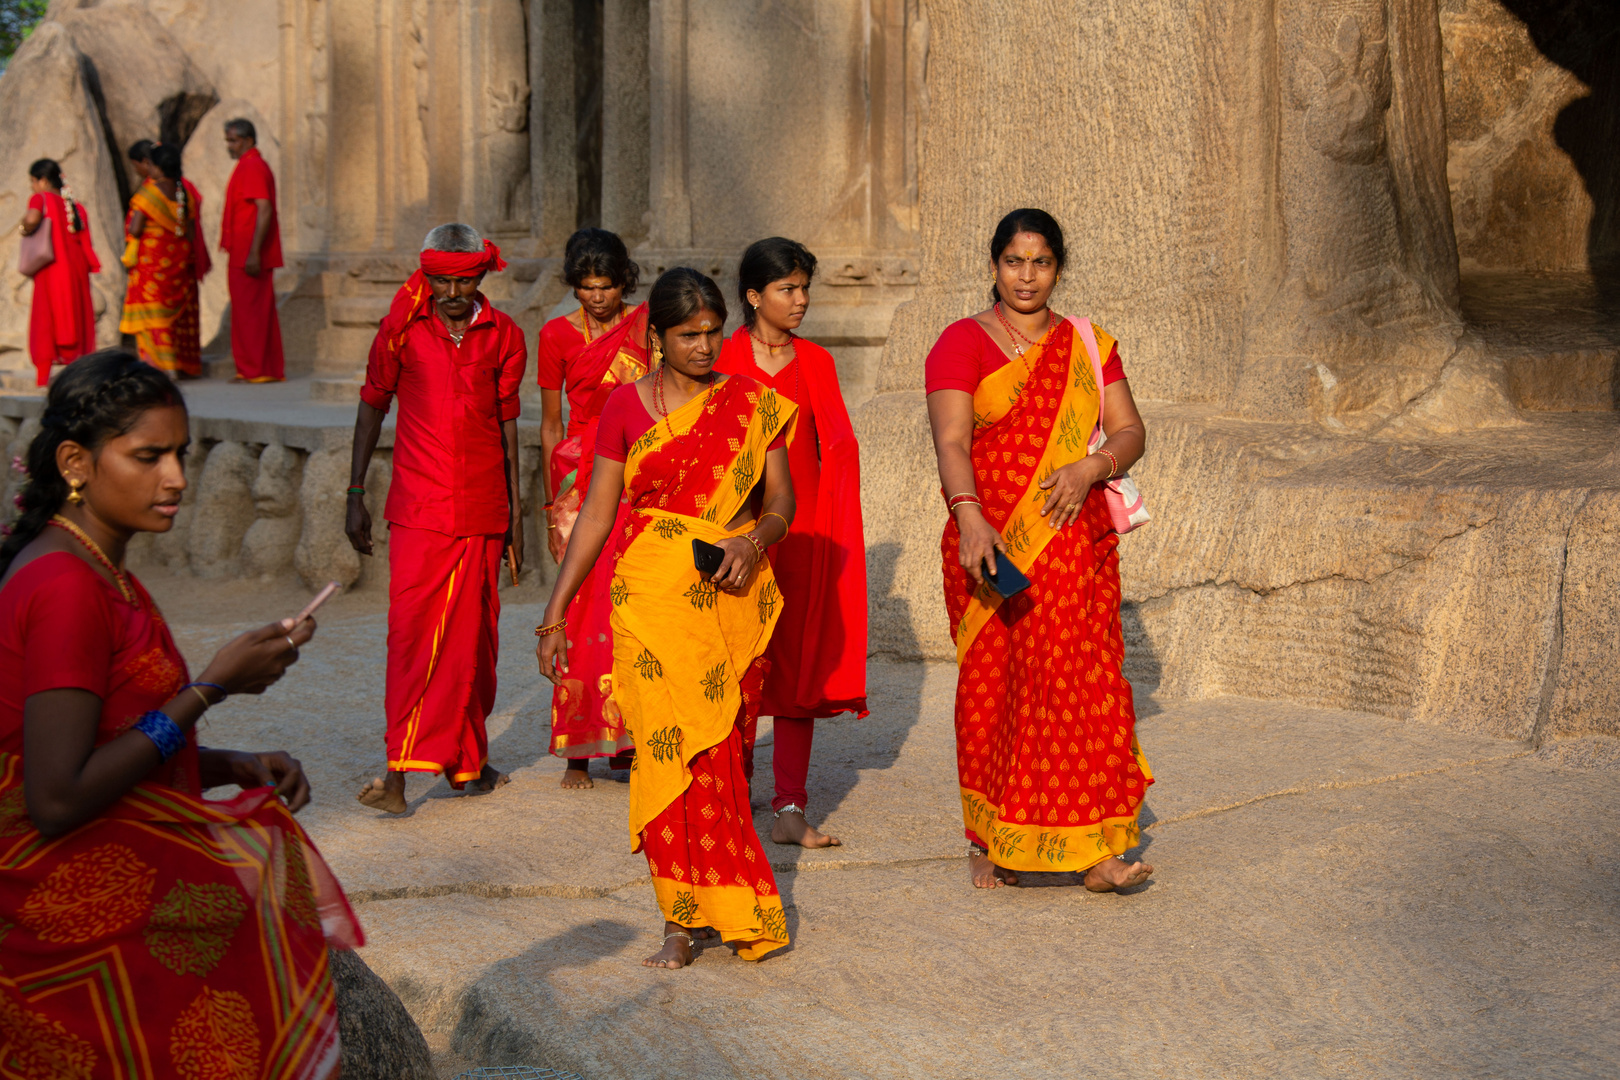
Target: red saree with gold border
[(688, 663), (1050, 774), (161, 307), (586, 720)]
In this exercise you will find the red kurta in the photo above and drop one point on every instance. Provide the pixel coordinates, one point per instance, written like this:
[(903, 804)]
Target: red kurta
[(62, 319), (818, 653), (168, 936), (450, 512), (255, 325)]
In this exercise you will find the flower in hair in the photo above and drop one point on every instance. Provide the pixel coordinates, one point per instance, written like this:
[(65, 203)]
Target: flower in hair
[(17, 501), (5, 530), (18, 465)]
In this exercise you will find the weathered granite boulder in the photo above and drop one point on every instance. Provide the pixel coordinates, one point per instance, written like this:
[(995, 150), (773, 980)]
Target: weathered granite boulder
[(223, 510), (272, 539), (47, 110), (380, 1040)]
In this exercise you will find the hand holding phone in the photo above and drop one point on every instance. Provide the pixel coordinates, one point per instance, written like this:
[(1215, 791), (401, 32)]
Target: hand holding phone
[(321, 597)]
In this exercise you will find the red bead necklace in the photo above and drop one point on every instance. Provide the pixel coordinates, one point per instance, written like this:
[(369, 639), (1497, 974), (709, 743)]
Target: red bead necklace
[(1012, 332), (96, 553), (658, 396)]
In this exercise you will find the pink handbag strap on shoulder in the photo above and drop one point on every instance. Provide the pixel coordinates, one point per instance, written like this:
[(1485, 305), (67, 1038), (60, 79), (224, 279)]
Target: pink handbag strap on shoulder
[(1082, 326)]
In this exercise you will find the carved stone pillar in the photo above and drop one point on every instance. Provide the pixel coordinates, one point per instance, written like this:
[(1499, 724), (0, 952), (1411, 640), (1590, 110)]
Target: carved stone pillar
[(625, 116), (670, 199)]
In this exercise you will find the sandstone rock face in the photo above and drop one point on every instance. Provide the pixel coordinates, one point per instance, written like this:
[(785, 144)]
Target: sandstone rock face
[(1526, 95), (380, 1040), (223, 510), (324, 553), (271, 541), (46, 110)]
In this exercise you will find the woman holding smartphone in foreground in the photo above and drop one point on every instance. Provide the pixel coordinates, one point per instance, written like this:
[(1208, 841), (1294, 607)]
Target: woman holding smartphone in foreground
[(1050, 775), (694, 452), (111, 857)]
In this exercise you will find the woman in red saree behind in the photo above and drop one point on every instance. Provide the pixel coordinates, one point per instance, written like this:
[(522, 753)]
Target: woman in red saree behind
[(166, 257), (1050, 775), (149, 933), (818, 652), (590, 353), (62, 318), (702, 459)]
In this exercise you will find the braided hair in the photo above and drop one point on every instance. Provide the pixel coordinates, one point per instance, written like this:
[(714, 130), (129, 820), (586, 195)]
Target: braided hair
[(96, 398), (49, 171)]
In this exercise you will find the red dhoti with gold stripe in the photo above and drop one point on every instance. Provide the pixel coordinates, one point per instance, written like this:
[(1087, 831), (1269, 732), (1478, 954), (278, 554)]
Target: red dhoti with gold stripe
[(443, 638)]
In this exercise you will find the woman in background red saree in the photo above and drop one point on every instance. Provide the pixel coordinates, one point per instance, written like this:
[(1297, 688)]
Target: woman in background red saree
[(818, 652), (161, 306), (1049, 771), (149, 933), (590, 353), (62, 318)]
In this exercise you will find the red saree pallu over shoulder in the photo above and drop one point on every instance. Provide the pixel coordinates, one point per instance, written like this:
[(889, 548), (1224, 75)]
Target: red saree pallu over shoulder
[(161, 306), (1050, 774), (689, 663), (586, 719)]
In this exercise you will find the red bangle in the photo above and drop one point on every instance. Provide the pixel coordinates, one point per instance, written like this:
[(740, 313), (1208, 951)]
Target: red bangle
[(1113, 461), (758, 547), (960, 500)]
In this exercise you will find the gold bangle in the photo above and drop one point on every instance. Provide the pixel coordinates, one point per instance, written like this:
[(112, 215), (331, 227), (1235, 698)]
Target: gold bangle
[(786, 528), (201, 697), (544, 631)]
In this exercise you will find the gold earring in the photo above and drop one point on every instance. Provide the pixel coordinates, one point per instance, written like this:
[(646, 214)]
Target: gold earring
[(73, 495)]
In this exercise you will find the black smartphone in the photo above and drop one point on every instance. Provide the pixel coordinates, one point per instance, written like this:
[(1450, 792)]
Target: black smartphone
[(706, 557), (1007, 580)]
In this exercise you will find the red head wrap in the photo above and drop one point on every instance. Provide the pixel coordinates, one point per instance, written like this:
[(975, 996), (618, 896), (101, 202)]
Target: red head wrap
[(415, 298)]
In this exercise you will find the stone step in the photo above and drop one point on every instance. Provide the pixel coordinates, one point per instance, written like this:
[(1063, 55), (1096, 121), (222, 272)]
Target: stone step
[(335, 391), (18, 382), (365, 311), (341, 350)]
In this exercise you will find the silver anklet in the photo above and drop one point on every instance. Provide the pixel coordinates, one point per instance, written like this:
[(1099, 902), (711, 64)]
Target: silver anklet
[(690, 940), (790, 808)]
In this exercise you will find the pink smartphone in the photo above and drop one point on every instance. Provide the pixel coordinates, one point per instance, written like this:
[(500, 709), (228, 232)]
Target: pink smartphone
[(320, 598)]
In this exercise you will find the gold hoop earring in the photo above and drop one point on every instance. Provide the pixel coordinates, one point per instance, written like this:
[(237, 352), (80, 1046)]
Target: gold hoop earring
[(73, 495)]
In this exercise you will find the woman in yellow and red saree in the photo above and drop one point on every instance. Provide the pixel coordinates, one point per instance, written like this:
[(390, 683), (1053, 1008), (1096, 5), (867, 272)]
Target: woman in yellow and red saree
[(694, 452), (1050, 774), (149, 933), (162, 254), (590, 352)]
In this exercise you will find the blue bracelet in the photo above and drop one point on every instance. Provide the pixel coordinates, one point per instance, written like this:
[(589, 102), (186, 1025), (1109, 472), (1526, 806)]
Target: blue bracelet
[(211, 685), (164, 733)]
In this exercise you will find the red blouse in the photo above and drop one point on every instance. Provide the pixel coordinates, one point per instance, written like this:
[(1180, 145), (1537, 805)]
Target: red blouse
[(625, 419), (560, 342), (965, 355), (64, 626)]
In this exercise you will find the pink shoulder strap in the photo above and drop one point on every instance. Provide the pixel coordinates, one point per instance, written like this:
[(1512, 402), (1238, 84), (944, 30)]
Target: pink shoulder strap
[(1082, 326)]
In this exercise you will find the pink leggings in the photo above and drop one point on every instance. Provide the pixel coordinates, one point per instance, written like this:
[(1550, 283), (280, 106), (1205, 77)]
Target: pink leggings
[(791, 758)]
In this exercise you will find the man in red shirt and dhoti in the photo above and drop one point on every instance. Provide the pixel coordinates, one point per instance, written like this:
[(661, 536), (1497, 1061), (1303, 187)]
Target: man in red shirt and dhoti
[(251, 235), (456, 365)]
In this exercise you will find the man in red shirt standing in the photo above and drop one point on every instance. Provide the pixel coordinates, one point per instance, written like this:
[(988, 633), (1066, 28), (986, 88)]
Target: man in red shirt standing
[(251, 235), (456, 366)]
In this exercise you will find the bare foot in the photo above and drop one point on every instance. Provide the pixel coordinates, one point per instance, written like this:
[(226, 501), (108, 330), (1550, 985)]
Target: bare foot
[(677, 950), (1116, 873), (576, 779), (986, 874), (488, 780), (387, 795), (791, 827), (706, 933)]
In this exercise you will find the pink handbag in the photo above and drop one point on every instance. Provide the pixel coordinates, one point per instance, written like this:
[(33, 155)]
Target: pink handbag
[(1125, 505), (35, 252)]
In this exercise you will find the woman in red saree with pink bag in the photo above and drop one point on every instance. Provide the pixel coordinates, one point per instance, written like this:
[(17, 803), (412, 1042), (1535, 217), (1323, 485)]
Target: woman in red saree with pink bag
[(590, 353), (1049, 771)]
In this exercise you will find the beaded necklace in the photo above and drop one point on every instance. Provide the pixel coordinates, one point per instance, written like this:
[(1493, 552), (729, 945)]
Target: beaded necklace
[(794, 362), (658, 396), (1012, 332), (95, 550)]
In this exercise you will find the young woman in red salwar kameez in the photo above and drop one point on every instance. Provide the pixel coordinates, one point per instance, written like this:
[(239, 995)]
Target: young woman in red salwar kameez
[(1050, 774), (590, 353), (62, 318), (701, 457), (149, 933), (818, 652)]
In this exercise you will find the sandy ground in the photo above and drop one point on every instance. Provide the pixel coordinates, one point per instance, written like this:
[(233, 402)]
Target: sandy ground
[(1336, 895)]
